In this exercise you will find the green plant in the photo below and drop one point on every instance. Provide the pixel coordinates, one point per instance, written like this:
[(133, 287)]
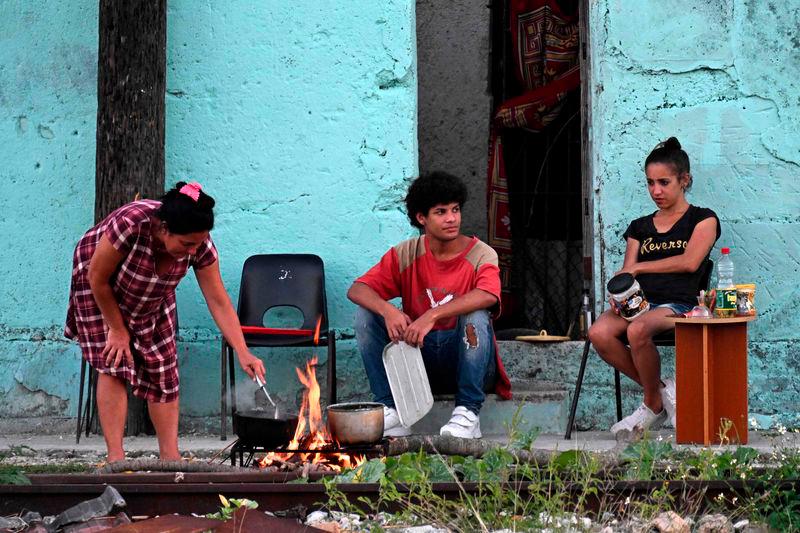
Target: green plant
[(556, 491), (784, 512), (572, 484), (641, 457), (229, 507), (12, 475)]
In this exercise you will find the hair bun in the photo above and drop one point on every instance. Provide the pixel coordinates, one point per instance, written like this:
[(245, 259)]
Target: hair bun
[(672, 144), (178, 186)]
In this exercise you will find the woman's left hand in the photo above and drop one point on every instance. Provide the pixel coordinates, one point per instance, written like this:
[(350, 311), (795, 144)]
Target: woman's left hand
[(252, 365), (630, 270)]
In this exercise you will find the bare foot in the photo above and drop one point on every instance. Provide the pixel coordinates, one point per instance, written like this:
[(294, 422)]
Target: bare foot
[(171, 458), (115, 457)]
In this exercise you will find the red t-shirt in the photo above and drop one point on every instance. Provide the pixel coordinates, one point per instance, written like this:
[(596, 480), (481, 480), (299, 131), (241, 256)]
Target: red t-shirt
[(410, 271)]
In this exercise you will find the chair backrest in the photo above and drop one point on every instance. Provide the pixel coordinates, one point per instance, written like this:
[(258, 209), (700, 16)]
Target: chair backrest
[(705, 277), (272, 280)]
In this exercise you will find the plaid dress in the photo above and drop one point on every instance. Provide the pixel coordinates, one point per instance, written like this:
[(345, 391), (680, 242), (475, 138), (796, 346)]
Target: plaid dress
[(146, 300)]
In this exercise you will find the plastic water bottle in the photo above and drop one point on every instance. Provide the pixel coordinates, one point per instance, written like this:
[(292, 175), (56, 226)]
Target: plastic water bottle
[(725, 270), (585, 318), (726, 290)]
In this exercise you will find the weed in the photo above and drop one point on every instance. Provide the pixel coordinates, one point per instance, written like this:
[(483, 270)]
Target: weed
[(229, 506)]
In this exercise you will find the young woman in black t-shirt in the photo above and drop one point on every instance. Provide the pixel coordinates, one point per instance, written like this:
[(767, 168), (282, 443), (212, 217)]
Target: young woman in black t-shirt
[(666, 252)]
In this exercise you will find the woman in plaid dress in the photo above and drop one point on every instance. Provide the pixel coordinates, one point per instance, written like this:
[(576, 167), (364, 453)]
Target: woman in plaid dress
[(122, 306)]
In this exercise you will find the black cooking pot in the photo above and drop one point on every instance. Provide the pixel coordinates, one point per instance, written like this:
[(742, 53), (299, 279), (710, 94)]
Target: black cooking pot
[(258, 428)]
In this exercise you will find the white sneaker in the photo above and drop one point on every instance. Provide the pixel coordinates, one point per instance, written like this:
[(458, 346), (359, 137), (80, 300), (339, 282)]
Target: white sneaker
[(391, 424), (642, 418), (463, 423), (668, 398)]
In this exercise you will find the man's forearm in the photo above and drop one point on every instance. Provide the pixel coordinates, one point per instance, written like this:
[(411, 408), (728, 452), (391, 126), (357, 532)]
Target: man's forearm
[(474, 300), (365, 296)]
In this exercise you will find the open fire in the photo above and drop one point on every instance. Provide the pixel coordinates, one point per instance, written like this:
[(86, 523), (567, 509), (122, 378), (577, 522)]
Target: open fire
[(312, 444)]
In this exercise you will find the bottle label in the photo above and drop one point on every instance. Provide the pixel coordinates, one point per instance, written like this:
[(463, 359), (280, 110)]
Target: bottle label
[(726, 303)]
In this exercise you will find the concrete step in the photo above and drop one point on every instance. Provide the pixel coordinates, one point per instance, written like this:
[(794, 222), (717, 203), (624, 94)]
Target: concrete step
[(536, 404)]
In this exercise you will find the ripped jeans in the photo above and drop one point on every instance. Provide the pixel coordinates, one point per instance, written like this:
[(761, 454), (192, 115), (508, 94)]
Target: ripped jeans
[(453, 363)]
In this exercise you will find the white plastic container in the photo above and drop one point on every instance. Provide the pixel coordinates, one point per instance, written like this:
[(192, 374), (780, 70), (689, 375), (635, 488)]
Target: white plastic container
[(628, 296), (408, 381)]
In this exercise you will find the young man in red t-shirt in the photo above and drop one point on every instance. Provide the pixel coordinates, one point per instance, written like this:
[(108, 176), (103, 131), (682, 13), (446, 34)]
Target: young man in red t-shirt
[(448, 283)]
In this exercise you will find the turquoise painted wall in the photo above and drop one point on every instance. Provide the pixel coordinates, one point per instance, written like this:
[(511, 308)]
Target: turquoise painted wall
[(302, 123), (48, 66), (300, 120), (724, 77)]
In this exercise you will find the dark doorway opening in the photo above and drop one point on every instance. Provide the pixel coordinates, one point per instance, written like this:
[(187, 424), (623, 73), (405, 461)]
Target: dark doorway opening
[(546, 193)]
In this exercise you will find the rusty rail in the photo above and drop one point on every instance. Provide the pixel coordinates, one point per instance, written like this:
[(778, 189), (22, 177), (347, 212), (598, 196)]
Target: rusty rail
[(152, 494)]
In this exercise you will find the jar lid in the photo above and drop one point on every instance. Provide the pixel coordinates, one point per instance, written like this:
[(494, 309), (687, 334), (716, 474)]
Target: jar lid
[(620, 283)]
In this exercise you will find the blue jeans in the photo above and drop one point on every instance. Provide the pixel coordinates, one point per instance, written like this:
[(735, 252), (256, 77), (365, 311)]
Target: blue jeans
[(453, 364)]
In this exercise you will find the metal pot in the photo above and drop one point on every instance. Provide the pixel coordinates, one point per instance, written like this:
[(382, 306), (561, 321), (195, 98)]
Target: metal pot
[(259, 428), (356, 423)]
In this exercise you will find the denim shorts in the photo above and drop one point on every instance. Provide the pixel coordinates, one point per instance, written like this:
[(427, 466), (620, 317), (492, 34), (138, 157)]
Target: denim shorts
[(677, 308)]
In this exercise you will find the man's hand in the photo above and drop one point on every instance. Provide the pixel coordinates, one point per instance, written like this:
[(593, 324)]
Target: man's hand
[(416, 331), (118, 348), (252, 365), (396, 323)]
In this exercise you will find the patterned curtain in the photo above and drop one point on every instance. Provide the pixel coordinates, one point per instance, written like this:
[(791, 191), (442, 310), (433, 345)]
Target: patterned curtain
[(545, 48)]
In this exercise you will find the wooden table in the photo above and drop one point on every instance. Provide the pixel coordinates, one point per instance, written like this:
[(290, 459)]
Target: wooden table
[(711, 379)]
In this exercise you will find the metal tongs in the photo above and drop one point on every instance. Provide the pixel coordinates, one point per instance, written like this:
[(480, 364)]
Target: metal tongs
[(264, 388)]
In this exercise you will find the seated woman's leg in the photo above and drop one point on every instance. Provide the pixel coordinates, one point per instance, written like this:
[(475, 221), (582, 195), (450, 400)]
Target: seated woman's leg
[(605, 336), (112, 409), (645, 354)]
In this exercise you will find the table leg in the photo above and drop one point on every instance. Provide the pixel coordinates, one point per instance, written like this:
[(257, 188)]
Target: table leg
[(711, 375)]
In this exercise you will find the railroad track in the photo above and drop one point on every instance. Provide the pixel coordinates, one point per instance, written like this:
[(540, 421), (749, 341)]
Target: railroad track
[(150, 494)]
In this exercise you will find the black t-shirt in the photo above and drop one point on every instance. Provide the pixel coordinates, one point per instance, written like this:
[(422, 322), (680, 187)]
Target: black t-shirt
[(660, 288)]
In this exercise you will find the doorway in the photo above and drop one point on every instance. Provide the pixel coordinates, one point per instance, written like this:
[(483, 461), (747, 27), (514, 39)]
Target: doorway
[(468, 67)]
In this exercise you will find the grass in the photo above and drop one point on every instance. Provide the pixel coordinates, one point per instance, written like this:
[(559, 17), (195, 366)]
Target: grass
[(573, 488)]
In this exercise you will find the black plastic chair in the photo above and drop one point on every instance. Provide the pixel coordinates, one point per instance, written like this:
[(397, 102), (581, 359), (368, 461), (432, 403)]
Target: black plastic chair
[(86, 414), (666, 338), (274, 280)]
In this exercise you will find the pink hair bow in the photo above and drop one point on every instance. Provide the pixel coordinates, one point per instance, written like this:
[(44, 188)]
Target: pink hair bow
[(192, 190)]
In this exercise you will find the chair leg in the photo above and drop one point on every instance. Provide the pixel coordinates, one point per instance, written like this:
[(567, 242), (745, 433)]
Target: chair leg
[(223, 408), (232, 377), (578, 384), (90, 412), (80, 400), (331, 367), (618, 390)]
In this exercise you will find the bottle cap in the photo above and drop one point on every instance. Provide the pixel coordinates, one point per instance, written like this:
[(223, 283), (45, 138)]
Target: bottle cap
[(726, 250)]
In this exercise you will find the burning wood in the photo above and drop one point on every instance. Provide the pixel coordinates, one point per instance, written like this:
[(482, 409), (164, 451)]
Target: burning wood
[(312, 447)]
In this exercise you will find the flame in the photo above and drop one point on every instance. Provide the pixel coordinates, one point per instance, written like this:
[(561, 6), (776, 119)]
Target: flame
[(311, 432), (316, 331)]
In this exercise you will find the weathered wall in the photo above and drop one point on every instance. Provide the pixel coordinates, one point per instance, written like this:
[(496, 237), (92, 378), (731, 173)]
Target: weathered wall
[(722, 76), (453, 50), (48, 65), (300, 119)]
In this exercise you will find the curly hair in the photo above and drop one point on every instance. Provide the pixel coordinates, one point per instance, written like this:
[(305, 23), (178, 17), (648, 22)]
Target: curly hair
[(433, 189)]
